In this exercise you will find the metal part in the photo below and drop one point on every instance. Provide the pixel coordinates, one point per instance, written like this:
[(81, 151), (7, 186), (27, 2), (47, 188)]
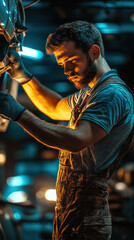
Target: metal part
[(12, 28), (12, 33), (29, 5), (8, 18)]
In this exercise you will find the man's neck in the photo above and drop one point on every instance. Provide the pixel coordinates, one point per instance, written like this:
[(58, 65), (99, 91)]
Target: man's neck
[(103, 67)]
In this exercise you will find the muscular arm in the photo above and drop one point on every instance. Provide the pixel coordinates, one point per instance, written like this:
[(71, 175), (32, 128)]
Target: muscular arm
[(47, 101), (61, 137)]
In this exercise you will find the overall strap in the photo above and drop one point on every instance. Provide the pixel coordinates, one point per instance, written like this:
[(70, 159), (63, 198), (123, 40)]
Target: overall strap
[(117, 81), (109, 80)]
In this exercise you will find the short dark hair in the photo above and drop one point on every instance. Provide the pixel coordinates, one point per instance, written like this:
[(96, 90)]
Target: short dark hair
[(83, 33)]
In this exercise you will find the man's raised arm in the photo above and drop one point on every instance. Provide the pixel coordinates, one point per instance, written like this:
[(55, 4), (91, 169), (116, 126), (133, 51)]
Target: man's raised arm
[(46, 100)]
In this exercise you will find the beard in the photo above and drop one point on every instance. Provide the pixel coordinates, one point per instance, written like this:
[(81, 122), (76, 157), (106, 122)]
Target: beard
[(87, 76), (90, 72)]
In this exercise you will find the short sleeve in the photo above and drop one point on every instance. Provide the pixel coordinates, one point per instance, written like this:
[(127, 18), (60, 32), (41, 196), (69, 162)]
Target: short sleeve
[(105, 109), (73, 99)]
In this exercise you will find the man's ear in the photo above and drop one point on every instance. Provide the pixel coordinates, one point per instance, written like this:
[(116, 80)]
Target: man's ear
[(94, 52)]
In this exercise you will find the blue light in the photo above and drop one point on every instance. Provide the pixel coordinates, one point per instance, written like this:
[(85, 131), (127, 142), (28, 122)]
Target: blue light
[(31, 53), (38, 227), (108, 28), (19, 181), (113, 28), (17, 215)]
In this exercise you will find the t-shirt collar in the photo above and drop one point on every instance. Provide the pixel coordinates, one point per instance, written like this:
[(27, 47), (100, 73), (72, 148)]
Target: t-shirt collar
[(110, 73)]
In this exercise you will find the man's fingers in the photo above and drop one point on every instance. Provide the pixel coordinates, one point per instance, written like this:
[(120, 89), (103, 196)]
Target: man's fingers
[(13, 55)]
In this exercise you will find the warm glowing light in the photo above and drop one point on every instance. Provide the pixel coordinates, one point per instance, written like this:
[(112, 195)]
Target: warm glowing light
[(17, 197), (40, 194), (50, 195), (31, 53), (120, 186), (7, 216), (2, 158)]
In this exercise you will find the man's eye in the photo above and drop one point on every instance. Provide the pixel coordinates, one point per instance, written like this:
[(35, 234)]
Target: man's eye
[(74, 61), (61, 65)]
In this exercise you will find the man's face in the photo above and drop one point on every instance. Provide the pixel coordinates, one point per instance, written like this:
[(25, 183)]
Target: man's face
[(77, 65)]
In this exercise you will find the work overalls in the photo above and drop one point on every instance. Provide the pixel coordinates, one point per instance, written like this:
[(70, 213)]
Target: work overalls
[(82, 210)]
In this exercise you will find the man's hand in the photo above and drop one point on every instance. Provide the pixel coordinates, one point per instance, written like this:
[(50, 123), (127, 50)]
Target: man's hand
[(18, 71), (9, 108)]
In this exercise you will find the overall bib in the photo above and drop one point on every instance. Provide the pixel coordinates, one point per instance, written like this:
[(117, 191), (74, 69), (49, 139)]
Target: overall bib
[(82, 210)]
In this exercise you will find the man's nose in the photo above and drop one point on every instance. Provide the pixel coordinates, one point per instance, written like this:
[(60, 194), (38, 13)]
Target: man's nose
[(68, 68)]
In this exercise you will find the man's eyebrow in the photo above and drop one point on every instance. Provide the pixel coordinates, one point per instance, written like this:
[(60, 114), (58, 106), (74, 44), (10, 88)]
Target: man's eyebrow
[(63, 60)]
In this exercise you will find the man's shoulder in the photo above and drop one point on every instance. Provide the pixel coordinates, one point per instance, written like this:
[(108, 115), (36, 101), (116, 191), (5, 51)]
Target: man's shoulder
[(114, 90)]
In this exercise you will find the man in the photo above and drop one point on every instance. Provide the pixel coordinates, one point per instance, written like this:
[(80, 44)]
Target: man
[(100, 120)]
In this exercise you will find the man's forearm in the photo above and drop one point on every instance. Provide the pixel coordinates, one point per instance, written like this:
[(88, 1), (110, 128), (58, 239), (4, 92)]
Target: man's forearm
[(55, 136), (43, 98)]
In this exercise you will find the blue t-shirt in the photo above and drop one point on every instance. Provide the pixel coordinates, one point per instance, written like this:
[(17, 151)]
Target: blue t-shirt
[(111, 107)]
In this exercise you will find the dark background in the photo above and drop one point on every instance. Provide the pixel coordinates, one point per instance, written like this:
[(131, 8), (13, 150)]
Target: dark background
[(115, 20)]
